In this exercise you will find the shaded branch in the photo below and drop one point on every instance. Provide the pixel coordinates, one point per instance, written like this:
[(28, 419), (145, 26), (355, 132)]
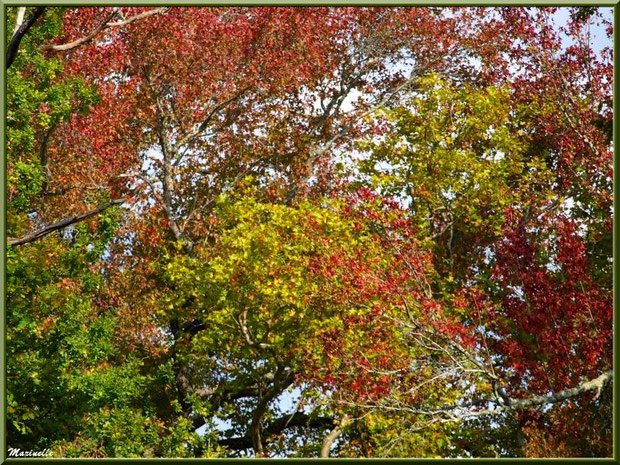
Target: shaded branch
[(43, 157), (226, 392), (256, 432), (278, 425), (11, 50), (33, 236)]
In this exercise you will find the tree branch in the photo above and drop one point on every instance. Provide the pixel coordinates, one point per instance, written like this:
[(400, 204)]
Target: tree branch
[(11, 50), (43, 158), (319, 149), (167, 153), (256, 433), (205, 123), (243, 325), (33, 236), (226, 392), (595, 384), (82, 40), (333, 435), (21, 12), (298, 419), (144, 14), (459, 412), (104, 25)]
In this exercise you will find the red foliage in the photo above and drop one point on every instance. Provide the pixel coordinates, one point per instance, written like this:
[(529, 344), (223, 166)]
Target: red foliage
[(554, 325)]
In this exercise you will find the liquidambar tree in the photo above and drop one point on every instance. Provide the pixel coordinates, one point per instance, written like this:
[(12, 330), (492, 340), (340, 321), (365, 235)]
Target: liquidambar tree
[(378, 232)]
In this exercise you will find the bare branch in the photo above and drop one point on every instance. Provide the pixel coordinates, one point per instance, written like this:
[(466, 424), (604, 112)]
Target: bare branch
[(167, 153), (205, 123), (82, 40), (243, 325), (595, 384), (333, 435), (106, 24), (21, 11), (144, 14), (459, 412)]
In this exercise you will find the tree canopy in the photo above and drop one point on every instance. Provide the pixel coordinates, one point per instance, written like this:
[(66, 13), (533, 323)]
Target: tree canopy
[(309, 231)]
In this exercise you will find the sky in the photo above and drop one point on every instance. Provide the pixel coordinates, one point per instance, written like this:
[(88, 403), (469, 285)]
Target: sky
[(599, 38)]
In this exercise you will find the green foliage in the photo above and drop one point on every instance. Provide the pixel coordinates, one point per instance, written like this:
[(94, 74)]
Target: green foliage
[(28, 180), (62, 354), (39, 97), (65, 371), (453, 156)]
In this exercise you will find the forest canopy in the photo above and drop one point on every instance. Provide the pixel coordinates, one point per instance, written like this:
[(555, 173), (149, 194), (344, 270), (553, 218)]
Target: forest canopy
[(309, 231)]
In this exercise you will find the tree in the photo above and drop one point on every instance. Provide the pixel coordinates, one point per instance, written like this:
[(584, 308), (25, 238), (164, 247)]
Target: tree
[(502, 192), (397, 217)]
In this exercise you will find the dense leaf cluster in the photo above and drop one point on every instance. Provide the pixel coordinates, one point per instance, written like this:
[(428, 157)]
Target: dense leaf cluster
[(378, 232)]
